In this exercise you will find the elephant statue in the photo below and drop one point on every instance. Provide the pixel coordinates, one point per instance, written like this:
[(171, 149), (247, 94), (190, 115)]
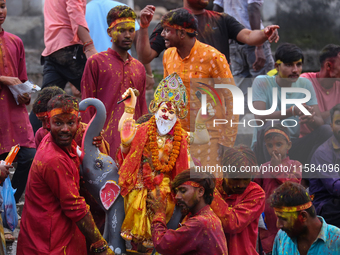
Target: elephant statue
[(100, 174)]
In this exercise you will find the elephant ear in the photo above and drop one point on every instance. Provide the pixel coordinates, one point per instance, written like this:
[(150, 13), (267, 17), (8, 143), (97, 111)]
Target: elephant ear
[(109, 193)]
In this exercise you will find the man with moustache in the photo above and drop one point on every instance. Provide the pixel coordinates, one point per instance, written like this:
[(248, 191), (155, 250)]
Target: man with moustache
[(302, 231), (325, 187), (153, 153), (289, 60), (52, 193), (110, 73), (201, 230)]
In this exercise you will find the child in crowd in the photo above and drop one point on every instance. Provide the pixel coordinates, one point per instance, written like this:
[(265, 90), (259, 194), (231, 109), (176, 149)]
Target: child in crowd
[(277, 171)]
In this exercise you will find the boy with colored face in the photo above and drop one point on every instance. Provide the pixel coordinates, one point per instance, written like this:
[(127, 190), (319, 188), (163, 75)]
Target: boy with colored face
[(302, 231), (289, 60), (239, 202), (278, 143), (52, 194), (110, 73), (15, 127), (325, 186), (193, 193)]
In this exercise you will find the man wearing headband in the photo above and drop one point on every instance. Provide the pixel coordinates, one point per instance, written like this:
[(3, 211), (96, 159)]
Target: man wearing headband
[(325, 184), (326, 82), (55, 218), (201, 230), (110, 73), (214, 29), (238, 201), (302, 231), (289, 60)]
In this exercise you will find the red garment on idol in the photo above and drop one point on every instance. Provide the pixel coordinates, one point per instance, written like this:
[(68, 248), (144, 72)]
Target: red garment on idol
[(15, 127), (106, 77), (52, 203), (240, 216), (200, 234), (269, 185)]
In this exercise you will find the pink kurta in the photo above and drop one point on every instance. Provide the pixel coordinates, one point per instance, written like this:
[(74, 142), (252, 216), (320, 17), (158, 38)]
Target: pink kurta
[(269, 185), (200, 234), (62, 19), (52, 203), (240, 217), (327, 98), (15, 127), (107, 77)]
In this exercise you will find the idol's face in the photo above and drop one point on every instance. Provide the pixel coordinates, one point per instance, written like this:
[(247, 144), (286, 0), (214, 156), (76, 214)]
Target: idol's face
[(167, 111)]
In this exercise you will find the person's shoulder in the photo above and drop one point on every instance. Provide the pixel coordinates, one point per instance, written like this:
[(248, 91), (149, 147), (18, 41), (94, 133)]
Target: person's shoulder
[(322, 152), (308, 75), (303, 82), (13, 37), (255, 188), (264, 81), (333, 232)]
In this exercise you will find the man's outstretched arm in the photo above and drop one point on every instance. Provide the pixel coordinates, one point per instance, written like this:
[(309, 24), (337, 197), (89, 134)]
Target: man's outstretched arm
[(144, 51)]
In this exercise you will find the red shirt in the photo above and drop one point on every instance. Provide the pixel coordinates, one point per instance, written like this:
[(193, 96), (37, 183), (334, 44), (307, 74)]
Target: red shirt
[(200, 234), (52, 203), (107, 77), (269, 185), (15, 127), (240, 217)]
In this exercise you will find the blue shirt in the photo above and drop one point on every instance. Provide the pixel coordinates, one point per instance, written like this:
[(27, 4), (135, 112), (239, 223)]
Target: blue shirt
[(327, 185), (96, 13), (263, 91), (327, 242)]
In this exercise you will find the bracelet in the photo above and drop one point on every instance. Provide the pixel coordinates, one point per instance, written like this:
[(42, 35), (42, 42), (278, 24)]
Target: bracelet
[(130, 110), (142, 26), (200, 126), (150, 75), (126, 145), (87, 44), (99, 246)]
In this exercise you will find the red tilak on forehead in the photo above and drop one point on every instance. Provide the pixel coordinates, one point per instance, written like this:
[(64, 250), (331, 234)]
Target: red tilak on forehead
[(169, 105)]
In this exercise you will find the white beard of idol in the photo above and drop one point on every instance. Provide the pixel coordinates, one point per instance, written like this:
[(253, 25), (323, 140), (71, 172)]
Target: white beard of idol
[(164, 126)]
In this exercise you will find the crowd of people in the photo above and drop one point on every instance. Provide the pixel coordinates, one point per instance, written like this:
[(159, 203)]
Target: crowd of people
[(169, 206)]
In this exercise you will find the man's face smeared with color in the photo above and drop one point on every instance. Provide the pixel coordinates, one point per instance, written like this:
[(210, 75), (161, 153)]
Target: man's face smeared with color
[(123, 35), (165, 118)]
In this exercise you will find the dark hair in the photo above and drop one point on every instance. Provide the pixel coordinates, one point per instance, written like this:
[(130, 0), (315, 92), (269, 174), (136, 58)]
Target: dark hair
[(64, 101), (40, 103), (333, 110), (206, 180), (240, 155), (144, 118), (279, 127), (181, 17), (291, 194), (288, 53), (329, 51), (120, 11)]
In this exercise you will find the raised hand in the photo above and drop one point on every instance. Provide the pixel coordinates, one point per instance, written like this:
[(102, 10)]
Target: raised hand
[(130, 102), (128, 131), (146, 15), (272, 33), (276, 159)]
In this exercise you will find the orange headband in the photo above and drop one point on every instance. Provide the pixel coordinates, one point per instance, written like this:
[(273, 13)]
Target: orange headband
[(191, 183), (277, 131), (121, 20), (294, 208), (188, 30), (57, 111), (42, 114)]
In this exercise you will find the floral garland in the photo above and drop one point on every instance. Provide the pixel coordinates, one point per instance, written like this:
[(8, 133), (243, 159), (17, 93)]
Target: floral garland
[(152, 132)]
